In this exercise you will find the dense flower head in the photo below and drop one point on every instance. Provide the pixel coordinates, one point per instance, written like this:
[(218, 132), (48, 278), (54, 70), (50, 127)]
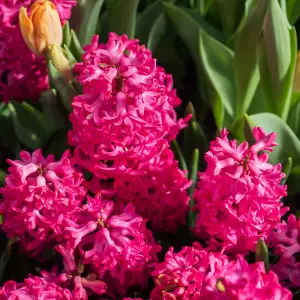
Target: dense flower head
[(112, 243), (238, 196), (22, 74), (195, 273), (126, 113), (38, 194), (240, 281), (182, 274), (160, 194), (52, 285), (286, 241), (34, 288)]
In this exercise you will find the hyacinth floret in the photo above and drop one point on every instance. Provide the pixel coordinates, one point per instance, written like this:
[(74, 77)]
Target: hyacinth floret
[(286, 241), (126, 113), (239, 280), (182, 274), (160, 194), (34, 288), (116, 246), (38, 194), (238, 196)]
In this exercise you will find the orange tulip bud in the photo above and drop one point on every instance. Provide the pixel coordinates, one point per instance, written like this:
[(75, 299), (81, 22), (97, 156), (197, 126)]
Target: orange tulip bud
[(42, 28)]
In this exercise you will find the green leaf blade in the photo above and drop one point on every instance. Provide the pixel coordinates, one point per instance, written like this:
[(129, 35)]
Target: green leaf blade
[(123, 17), (217, 60)]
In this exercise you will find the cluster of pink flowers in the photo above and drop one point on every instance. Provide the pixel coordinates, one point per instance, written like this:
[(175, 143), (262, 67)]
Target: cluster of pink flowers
[(34, 287), (160, 195), (126, 114), (111, 242), (286, 241), (45, 204), (194, 273), (122, 128), (52, 286), (38, 195), (22, 74), (238, 196)]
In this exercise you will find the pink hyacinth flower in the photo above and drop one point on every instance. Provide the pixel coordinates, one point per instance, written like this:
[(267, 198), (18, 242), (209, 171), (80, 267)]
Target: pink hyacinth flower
[(286, 240), (115, 245), (39, 193), (238, 196), (126, 113), (240, 281), (182, 275), (160, 194)]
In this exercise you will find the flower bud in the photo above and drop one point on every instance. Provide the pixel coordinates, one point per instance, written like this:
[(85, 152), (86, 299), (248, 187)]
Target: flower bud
[(60, 62), (42, 28)]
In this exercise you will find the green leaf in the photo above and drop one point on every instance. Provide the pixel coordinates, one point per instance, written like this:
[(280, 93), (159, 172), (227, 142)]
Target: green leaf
[(194, 138), (166, 54), (59, 144), (146, 20), (188, 26), (8, 137), (262, 254), (2, 177), (293, 10), (242, 129), (230, 13), (218, 111), (75, 47), (288, 143), (55, 114), (278, 60), (245, 59), (110, 5), (104, 27), (248, 6), (29, 125), (66, 34), (69, 55), (248, 125), (27, 137), (157, 32), (193, 170), (258, 101), (294, 119), (205, 25), (65, 89), (286, 169), (276, 35), (5, 257), (123, 17), (279, 98), (178, 155), (217, 60), (293, 180), (87, 14), (202, 6)]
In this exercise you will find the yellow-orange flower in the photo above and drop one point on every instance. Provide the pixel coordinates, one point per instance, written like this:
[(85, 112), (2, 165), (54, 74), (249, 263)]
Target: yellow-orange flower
[(42, 28)]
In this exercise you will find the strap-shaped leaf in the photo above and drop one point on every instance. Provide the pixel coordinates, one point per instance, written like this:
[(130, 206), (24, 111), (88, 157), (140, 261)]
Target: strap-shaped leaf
[(217, 60), (245, 59), (123, 17)]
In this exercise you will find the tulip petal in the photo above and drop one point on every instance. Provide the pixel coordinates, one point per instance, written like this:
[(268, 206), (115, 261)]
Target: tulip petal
[(27, 30)]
